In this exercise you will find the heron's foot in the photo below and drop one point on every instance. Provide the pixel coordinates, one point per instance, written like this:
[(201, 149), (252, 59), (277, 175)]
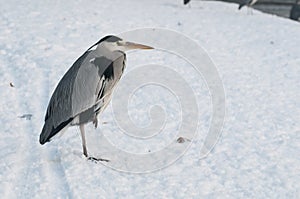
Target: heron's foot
[(97, 159), (95, 122), (85, 152)]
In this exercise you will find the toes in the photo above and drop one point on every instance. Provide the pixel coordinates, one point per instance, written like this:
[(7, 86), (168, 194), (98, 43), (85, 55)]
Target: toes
[(97, 159)]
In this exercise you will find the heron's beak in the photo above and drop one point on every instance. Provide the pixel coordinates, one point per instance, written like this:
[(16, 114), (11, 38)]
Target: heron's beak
[(131, 45)]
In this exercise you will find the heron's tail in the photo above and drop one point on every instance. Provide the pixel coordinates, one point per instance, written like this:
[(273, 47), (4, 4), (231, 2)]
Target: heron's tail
[(49, 130), (241, 5)]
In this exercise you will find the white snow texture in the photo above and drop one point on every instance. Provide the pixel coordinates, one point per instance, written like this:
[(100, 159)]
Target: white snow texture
[(258, 60)]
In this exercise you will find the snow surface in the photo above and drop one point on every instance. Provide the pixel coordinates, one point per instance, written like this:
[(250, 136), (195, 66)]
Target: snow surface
[(258, 59)]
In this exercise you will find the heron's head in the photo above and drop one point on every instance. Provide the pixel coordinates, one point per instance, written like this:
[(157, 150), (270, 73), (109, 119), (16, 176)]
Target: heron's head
[(114, 43)]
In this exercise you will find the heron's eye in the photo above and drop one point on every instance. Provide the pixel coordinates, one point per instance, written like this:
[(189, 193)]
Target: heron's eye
[(118, 43)]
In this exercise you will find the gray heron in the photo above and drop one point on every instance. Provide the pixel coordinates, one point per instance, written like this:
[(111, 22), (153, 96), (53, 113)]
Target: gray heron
[(86, 88), (248, 3)]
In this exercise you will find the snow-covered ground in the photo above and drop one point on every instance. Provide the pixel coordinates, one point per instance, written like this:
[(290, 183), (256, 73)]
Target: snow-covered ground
[(258, 60)]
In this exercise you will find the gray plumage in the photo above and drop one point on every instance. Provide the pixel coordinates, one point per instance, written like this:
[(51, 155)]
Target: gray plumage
[(85, 90)]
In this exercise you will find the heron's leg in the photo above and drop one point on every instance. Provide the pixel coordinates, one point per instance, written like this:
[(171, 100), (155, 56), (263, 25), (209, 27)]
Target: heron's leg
[(95, 121), (81, 126)]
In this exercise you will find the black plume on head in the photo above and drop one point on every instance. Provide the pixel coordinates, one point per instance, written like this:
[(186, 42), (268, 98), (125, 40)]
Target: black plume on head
[(109, 38)]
